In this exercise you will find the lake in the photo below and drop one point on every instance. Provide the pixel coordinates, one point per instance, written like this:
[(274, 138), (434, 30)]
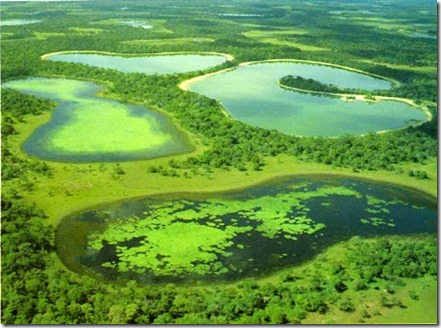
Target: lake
[(158, 64), (86, 128), (188, 237), (251, 95)]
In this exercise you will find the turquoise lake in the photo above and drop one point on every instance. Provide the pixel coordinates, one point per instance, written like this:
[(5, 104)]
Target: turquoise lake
[(161, 64), (251, 95)]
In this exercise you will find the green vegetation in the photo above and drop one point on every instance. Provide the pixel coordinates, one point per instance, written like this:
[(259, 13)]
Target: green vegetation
[(398, 282), (168, 246), (302, 83), (92, 125)]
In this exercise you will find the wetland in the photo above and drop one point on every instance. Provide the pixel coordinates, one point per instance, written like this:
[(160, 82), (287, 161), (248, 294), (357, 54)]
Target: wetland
[(85, 128), (232, 235)]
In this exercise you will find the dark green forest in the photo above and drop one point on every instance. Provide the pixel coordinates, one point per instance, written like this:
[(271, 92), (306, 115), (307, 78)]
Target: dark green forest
[(38, 289)]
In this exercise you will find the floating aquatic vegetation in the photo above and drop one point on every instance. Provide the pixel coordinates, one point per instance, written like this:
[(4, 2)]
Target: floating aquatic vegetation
[(192, 237)]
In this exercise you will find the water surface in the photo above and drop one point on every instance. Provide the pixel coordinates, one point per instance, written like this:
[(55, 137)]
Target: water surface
[(165, 64), (231, 235), (251, 95), (85, 128), (14, 22)]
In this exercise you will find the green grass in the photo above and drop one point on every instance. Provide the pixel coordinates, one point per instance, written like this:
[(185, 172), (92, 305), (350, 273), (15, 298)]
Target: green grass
[(161, 42), (44, 35), (281, 38), (85, 31)]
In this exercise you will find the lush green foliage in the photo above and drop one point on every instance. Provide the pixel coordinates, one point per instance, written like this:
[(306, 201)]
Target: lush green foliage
[(232, 144), (299, 82), (36, 288)]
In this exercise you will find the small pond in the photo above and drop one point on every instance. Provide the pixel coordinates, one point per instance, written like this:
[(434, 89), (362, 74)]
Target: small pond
[(159, 64), (14, 22), (135, 23), (212, 237), (251, 95), (85, 128)]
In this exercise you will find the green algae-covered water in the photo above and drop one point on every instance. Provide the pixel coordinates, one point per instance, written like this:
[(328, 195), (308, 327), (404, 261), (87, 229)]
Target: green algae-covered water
[(251, 95), (85, 128), (158, 64), (231, 235)]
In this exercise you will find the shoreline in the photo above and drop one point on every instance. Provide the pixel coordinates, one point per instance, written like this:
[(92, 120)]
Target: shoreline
[(98, 52), (358, 97), (260, 182), (184, 85)]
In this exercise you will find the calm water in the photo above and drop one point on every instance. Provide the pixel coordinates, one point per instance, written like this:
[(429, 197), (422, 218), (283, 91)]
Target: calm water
[(134, 23), (166, 64), (373, 209), (422, 35), (85, 128), (13, 22), (251, 95)]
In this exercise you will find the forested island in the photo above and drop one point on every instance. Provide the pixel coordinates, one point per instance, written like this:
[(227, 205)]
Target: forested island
[(301, 83), (106, 169)]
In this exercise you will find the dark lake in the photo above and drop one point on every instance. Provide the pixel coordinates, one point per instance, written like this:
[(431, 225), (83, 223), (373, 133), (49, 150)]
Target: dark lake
[(216, 237)]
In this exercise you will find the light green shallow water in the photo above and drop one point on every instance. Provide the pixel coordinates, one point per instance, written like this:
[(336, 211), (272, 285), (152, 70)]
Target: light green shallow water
[(251, 95), (85, 128)]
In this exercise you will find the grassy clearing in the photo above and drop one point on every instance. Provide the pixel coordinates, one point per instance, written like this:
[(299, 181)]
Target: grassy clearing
[(45, 35), (419, 69), (85, 31), (161, 42), (281, 38)]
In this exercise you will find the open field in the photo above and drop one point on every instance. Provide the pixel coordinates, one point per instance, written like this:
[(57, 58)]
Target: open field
[(281, 38)]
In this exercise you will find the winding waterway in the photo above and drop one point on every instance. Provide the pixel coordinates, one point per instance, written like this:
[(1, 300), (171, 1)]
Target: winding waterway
[(251, 95), (230, 235)]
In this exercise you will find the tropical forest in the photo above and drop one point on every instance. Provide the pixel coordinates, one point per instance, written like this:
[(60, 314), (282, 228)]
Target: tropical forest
[(219, 162)]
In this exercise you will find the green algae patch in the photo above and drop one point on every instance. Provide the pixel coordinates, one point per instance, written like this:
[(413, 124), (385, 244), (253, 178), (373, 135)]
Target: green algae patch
[(186, 237), (109, 128), (85, 128)]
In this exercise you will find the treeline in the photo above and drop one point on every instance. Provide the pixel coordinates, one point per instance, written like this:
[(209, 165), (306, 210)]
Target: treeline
[(15, 108), (37, 289)]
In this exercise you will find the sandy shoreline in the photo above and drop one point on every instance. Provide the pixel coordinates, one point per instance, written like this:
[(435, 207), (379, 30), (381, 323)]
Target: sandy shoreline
[(185, 85)]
